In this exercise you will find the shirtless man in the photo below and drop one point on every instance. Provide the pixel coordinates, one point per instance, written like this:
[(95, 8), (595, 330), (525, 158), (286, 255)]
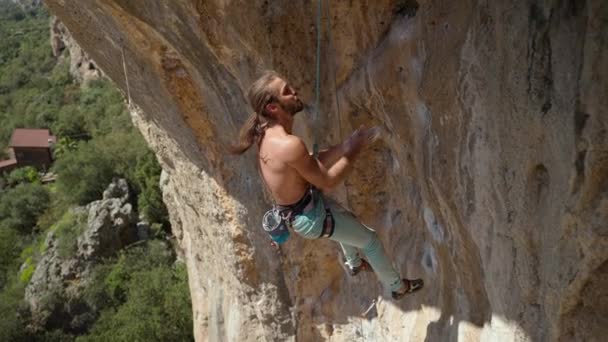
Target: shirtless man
[(293, 176)]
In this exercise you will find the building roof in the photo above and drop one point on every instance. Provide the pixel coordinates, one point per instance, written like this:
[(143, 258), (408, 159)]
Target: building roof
[(8, 162), (31, 137)]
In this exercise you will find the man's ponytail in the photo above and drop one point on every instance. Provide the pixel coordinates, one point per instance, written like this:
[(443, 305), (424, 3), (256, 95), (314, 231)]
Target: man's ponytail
[(259, 95), (249, 134)]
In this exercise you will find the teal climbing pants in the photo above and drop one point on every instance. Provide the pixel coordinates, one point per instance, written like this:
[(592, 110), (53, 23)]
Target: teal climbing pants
[(351, 234)]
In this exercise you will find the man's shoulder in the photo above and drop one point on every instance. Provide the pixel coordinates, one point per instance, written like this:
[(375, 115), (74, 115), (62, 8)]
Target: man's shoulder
[(291, 147)]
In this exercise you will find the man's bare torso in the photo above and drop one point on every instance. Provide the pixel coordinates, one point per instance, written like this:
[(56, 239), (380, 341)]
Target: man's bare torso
[(284, 182)]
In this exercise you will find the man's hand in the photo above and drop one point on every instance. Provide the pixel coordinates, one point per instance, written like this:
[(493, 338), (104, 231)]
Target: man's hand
[(295, 154), (359, 138)]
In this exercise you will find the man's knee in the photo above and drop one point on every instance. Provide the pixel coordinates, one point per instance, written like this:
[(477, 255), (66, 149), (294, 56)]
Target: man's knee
[(374, 242)]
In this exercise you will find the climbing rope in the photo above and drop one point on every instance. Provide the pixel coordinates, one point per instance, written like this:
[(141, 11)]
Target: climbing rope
[(315, 145), (334, 67), (124, 69), (318, 81)]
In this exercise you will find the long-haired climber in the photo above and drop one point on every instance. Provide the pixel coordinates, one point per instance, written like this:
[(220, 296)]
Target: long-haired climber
[(295, 179)]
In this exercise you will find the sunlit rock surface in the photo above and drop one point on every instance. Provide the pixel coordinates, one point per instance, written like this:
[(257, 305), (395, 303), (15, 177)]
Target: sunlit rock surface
[(82, 67), (490, 181)]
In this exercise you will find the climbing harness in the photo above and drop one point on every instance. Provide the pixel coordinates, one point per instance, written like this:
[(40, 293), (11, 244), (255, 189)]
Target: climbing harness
[(275, 224), (277, 221)]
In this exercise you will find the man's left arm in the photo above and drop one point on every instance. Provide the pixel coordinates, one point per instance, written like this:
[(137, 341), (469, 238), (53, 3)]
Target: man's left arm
[(330, 155)]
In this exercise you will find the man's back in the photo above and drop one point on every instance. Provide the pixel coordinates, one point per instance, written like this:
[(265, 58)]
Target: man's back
[(285, 183)]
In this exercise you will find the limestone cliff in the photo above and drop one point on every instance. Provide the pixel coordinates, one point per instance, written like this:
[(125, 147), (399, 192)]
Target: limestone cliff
[(490, 182), (82, 68)]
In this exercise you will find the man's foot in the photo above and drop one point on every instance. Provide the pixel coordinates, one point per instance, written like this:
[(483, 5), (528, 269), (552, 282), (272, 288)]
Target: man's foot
[(365, 266), (408, 287)]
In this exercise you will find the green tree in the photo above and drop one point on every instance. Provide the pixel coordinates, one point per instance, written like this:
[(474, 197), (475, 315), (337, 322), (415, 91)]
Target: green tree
[(150, 299), (63, 146), (147, 177), (25, 174), (21, 206), (9, 251), (83, 174), (67, 231), (12, 324)]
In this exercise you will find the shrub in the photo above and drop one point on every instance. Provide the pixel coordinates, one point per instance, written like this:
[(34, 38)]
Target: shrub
[(27, 174), (12, 326), (94, 292), (60, 75), (27, 272), (54, 336), (70, 122), (151, 299), (83, 175), (157, 309), (52, 214), (64, 145), (143, 297), (147, 177), (9, 251), (21, 206), (153, 254), (67, 231), (27, 252)]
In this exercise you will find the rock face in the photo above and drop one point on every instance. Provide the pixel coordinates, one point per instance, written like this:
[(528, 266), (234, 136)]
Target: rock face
[(82, 67), (53, 291), (111, 224), (490, 182)]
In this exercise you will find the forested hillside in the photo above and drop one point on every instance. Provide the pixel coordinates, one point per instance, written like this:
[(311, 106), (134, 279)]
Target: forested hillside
[(139, 292)]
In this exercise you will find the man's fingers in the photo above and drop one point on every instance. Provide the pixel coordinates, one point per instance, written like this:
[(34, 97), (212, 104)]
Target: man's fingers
[(375, 133), (372, 134)]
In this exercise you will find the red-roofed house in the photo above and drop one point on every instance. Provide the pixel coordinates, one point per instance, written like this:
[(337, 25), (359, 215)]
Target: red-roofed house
[(8, 165), (29, 147)]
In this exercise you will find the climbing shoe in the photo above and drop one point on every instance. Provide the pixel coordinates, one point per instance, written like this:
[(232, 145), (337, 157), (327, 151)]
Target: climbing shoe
[(365, 266), (410, 286)]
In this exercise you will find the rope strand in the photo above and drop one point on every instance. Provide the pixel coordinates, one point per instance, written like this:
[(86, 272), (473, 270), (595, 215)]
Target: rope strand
[(124, 69), (315, 145), (334, 67)]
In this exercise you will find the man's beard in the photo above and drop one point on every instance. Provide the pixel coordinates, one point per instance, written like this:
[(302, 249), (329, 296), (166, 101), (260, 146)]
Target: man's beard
[(292, 107)]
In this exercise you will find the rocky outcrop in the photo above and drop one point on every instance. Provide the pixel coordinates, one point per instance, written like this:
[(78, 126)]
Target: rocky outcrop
[(490, 182), (111, 224), (82, 67), (53, 293)]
